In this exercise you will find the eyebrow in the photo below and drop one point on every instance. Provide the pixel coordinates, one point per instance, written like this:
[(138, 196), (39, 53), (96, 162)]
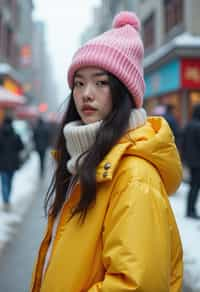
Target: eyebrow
[(97, 74)]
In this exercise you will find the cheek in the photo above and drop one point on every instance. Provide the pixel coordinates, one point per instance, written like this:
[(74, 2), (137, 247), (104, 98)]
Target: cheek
[(76, 101), (108, 103)]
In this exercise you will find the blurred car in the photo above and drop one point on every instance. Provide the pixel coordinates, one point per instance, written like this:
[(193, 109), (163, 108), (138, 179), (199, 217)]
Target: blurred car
[(25, 132)]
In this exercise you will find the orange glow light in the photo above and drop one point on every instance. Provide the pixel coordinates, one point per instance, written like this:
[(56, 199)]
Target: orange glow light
[(43, 107)]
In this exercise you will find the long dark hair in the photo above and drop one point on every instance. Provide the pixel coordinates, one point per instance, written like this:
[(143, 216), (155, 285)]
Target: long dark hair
[(111, 130)]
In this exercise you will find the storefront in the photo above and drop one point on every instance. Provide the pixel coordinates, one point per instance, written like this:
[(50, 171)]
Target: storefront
[(190, 81), (176, 82), (11, 84), (11, 87), (163, 86)]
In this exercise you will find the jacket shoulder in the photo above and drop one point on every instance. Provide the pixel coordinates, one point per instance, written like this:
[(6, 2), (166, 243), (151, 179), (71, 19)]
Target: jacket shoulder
[(139, 169)]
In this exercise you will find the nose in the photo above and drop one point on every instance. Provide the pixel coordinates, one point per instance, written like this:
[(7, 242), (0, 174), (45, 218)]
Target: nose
[(88, 93)]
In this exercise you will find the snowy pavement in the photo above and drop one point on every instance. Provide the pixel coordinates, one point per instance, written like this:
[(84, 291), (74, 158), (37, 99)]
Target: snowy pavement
[(25, 187), (190, 235)]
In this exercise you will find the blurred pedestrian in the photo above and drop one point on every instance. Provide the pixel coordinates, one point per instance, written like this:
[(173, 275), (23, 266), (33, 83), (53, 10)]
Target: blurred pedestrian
[(191, 157), (10, 147), (41, 141), (173, 123), (159, 110), (111, 227), (53, 132)]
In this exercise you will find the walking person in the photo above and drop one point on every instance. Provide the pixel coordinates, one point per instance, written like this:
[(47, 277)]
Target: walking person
[(173, 123), (41, 140), (10, 147), (191, 157), (110, 224)]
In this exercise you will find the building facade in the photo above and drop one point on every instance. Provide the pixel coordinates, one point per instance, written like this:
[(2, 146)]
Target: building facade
[(103, 16), (15, 44), (25, 67), (171, 35), (44, 86)]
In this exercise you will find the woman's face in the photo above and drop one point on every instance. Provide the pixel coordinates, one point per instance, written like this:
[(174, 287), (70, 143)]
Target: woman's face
[(92, 94)]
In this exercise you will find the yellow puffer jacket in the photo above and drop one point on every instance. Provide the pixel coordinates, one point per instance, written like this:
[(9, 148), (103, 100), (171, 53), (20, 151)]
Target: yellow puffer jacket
[(129, 240)]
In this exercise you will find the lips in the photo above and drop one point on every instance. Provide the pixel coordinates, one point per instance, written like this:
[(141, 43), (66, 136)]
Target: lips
[(88, 109)]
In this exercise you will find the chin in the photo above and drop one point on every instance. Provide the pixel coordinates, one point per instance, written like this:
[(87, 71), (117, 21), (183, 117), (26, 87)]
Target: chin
[(90, 121)]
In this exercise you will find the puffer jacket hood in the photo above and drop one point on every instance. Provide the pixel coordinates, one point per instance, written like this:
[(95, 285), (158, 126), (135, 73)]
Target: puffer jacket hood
[(153, 142)]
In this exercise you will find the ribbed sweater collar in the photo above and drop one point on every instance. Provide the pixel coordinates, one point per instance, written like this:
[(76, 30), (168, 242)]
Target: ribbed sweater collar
[(80, 137)]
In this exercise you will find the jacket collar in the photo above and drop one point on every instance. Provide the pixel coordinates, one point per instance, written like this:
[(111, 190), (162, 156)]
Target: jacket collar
[(152, 142), (108, 165)]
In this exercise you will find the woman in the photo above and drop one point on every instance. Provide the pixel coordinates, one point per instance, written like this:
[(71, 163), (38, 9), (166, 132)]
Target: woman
[(111, 227)]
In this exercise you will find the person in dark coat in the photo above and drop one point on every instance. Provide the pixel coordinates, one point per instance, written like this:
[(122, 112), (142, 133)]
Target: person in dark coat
[(41, 140), (10, 147), (173, 123), (191, 157)]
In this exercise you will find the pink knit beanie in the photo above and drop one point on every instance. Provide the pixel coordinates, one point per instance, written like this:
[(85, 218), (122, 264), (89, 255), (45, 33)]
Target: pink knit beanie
[(119, 51)]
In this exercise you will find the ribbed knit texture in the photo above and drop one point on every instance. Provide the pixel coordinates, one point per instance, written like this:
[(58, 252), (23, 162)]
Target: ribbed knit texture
[(119, 51), (79, 138)]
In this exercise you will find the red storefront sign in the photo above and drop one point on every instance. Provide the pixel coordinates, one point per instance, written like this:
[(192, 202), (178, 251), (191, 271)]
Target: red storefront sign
[(190, 73)]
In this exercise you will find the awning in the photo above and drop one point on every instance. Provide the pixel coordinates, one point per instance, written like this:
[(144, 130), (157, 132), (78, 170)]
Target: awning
[(185, 44), (9, 99)]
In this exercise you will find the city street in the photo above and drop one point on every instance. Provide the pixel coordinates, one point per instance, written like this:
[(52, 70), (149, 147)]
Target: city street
[(21, 229), (17, 260), (78, 78)]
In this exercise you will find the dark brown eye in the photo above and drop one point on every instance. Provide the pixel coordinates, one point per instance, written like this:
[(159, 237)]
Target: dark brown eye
[(78, 83), (102, 83)]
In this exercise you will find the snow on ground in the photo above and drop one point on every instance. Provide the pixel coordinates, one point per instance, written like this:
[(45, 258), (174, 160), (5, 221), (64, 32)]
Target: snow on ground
[(27, 182), (25, 185), (190, 235)]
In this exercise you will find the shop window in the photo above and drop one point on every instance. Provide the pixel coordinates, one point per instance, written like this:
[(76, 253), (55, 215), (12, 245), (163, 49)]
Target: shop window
[(173, 11), (149, 32), (195, 97), (174, 100)]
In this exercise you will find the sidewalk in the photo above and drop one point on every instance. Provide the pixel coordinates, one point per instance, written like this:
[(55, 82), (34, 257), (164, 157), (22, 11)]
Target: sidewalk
[(190, 236), (25, 185)]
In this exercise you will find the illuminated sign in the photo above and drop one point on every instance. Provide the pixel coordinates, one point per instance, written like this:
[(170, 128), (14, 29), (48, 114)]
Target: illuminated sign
[(190, 73), (43, 107)]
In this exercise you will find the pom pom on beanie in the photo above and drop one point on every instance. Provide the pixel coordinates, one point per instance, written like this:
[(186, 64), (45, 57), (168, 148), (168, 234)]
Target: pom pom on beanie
[(126, 17)]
